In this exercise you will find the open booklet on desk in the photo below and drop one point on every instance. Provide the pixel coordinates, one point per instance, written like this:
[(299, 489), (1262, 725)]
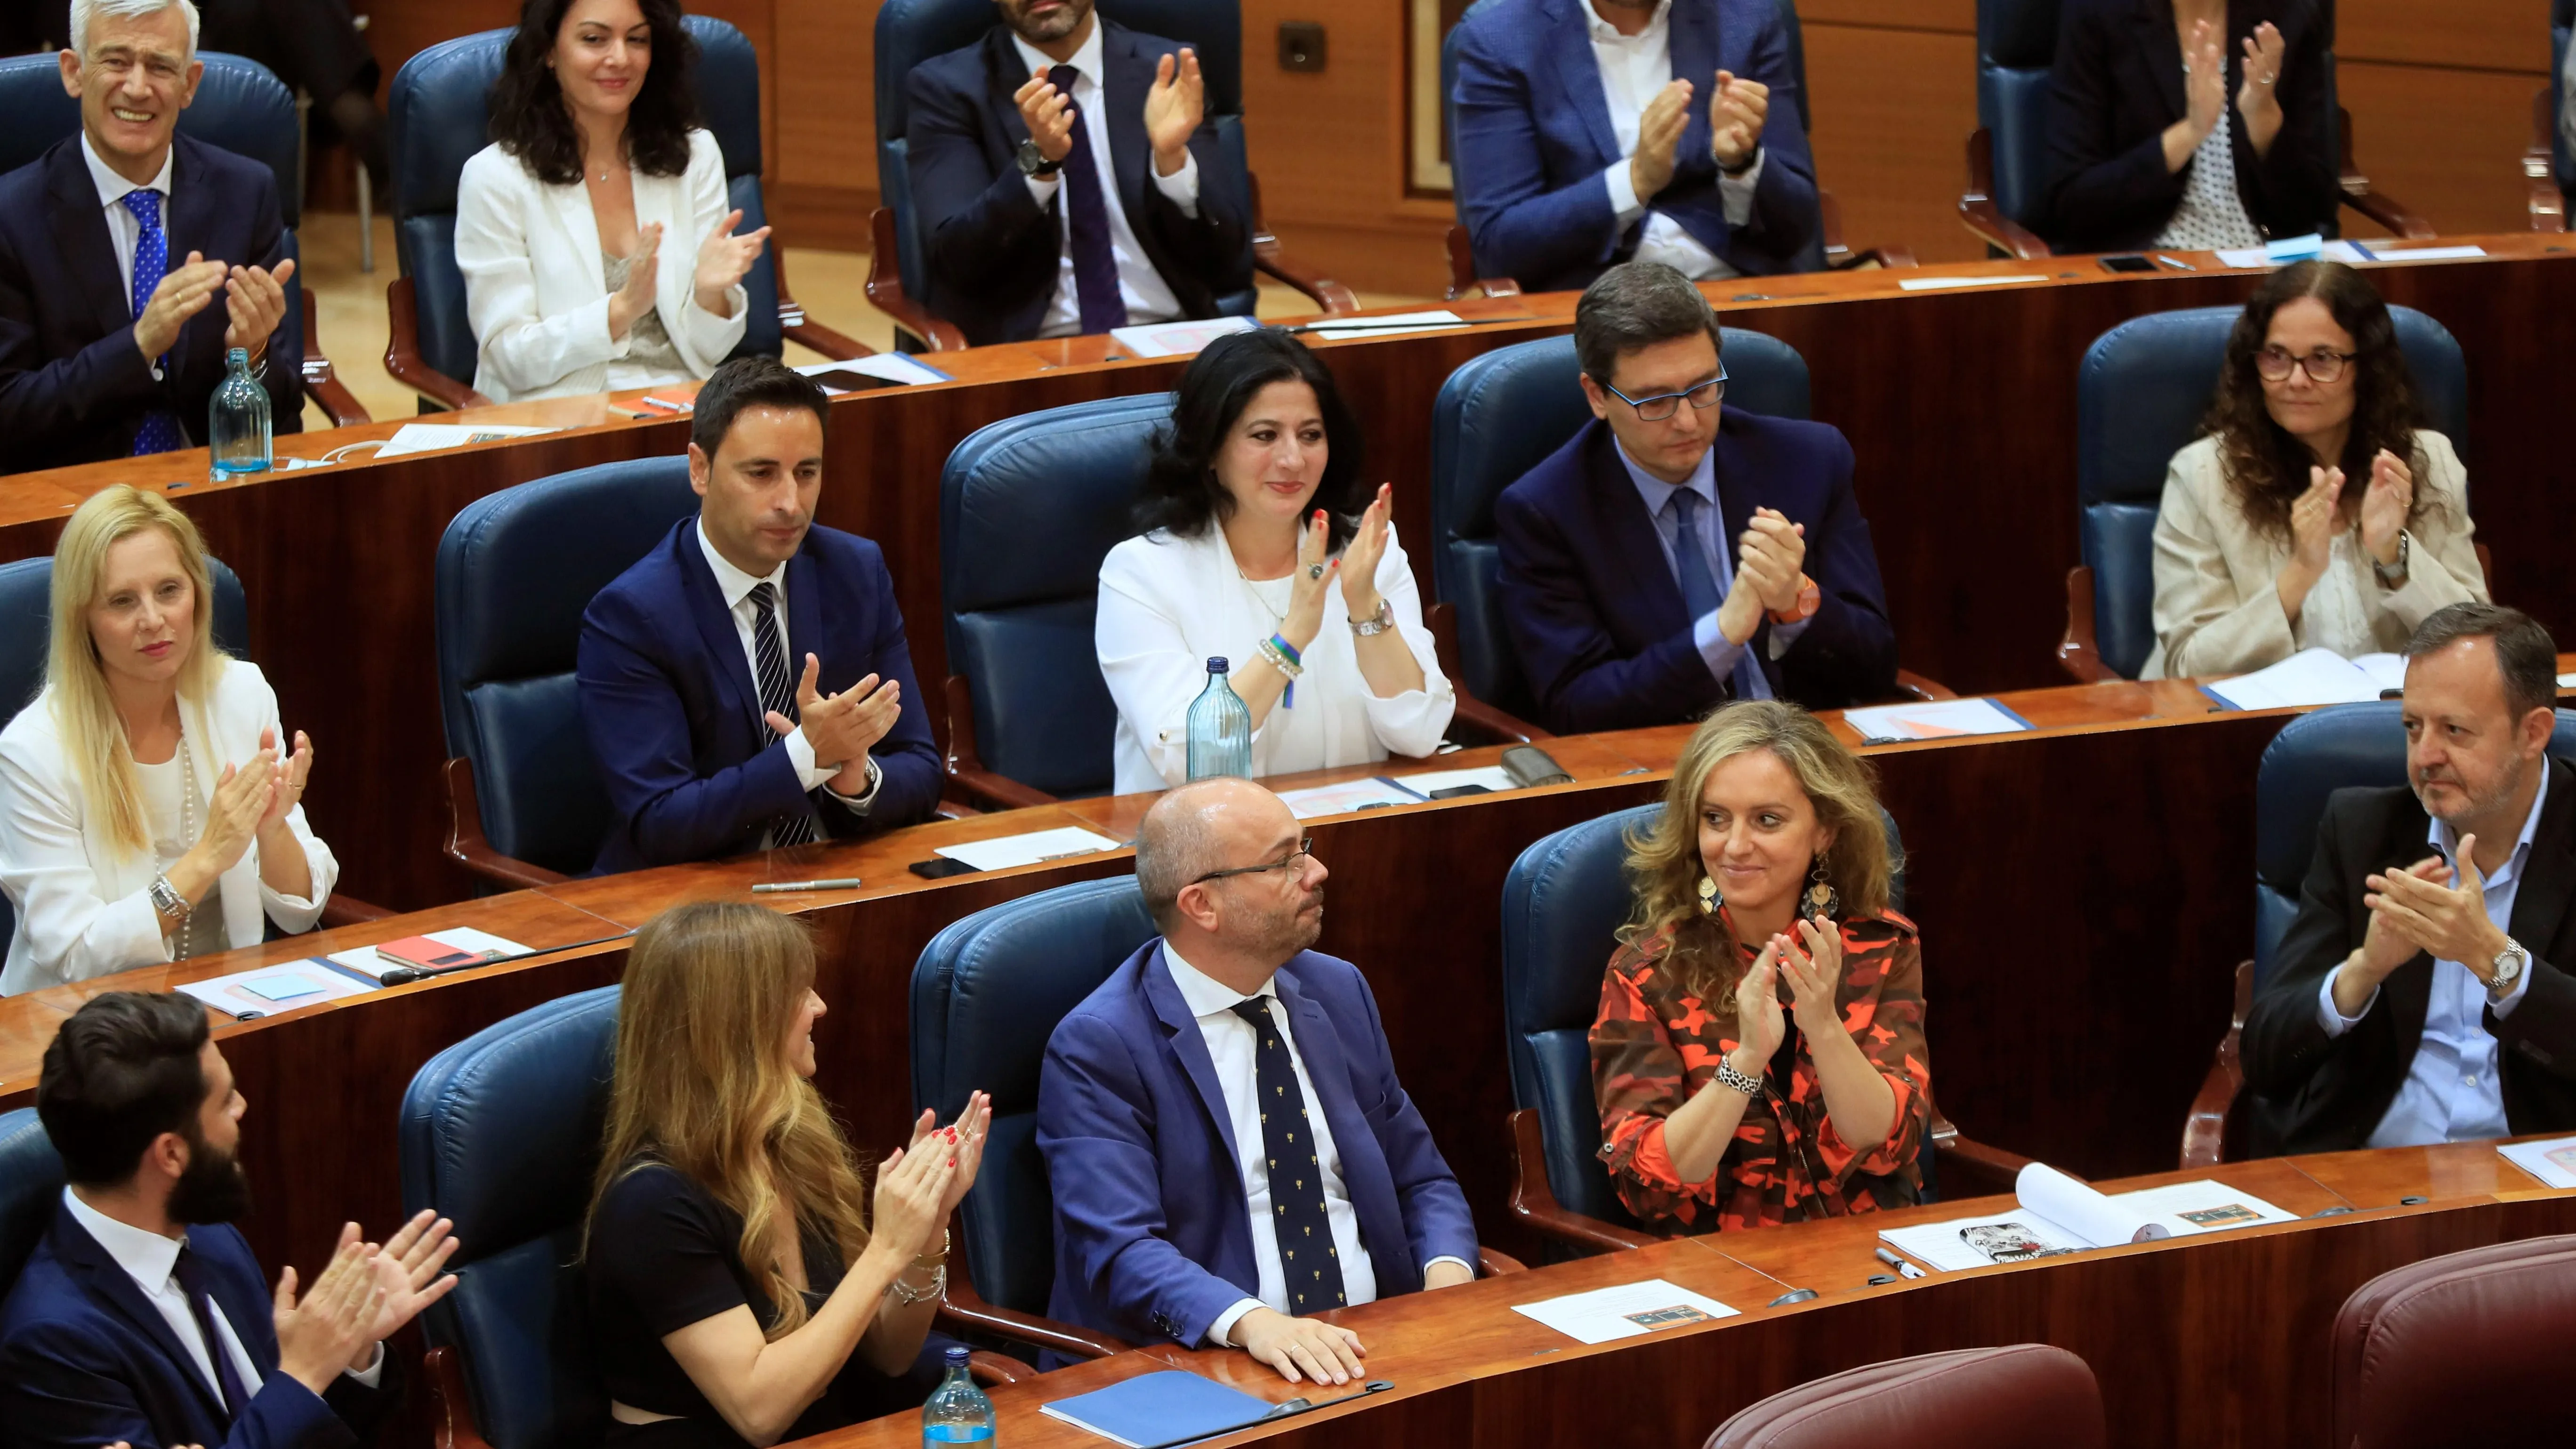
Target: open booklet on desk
[(2058, 1214), (2310, 678)]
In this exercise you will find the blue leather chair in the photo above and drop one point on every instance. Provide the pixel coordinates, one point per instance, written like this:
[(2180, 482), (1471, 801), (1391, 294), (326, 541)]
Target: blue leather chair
[(516, 570), (500, 1133), (2350, 746), (912, 31), (439, 115), (2006, 203), (239, 107), (1563, 903), (31, 1182), (2139, 399)]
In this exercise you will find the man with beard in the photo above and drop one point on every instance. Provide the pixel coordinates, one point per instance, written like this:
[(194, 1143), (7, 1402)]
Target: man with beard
[(1227, 1142), (1059, 166), (142, 1317), (2418, 997)]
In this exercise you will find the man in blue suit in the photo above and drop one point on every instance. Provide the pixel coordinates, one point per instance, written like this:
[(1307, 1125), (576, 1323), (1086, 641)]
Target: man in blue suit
[(142, 1317), (711, 737), (132, 257), (1593, 131), (1226, 1139), (1030, 231), (1620, 590)]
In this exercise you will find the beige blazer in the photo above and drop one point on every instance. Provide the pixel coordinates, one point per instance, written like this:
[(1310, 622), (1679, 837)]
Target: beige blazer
[(2217, 611)]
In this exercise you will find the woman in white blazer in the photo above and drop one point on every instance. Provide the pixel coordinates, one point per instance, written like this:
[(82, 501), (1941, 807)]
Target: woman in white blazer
[(2315, 514), (1257, 549), (561, 223), (147, 809)]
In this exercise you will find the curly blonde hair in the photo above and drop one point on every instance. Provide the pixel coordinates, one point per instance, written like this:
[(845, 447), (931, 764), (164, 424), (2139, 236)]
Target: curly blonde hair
[(1664, 865)]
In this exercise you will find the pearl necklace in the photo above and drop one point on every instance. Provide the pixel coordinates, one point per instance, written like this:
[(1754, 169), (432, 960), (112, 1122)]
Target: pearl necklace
[(187, 837)]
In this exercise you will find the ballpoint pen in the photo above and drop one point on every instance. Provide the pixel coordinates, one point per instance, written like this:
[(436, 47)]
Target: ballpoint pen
[(1903, 1268)]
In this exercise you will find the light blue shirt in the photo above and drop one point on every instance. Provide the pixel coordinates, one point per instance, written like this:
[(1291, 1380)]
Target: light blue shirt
[(1721, 653), (2451, 1093)]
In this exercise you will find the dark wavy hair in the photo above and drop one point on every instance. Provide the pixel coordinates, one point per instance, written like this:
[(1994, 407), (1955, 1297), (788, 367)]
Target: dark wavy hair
[(532, 123), (2265, 467), (1182, 493)]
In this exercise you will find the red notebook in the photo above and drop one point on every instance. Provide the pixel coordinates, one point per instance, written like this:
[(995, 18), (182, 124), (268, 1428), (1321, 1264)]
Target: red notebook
[(427, 954)]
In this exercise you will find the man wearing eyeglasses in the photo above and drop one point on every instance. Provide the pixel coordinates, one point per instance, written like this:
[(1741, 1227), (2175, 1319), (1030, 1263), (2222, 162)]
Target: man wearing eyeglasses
[(1677, 553), (1228, 1146)]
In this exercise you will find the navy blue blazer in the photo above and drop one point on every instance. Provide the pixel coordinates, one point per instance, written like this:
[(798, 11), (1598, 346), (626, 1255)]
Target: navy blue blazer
[(86, 1360), (1153, 1239), (73, 386), (2117, 84), (994, 255), (1533, 137), (674, 716), (1598, 621)]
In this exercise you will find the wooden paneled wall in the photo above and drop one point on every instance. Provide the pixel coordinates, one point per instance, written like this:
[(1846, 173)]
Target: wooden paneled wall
[(2440, 96)]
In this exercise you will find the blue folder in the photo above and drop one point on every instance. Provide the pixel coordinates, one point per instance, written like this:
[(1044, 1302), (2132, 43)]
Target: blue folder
[(1161, 1408)]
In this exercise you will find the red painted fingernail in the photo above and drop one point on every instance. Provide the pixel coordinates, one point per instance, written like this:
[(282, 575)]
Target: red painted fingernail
[(952, 1162)]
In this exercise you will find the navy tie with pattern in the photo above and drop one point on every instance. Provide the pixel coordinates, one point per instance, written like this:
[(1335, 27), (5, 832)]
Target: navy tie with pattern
[(200, 1295), (1095, 269), (1308, 1263), (777, 695), (160, 432)]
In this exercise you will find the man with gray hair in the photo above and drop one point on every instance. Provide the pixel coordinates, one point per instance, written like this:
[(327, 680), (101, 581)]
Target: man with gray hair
[(2422, 994), (132, 258), (1676, 554), (1228, 1145)]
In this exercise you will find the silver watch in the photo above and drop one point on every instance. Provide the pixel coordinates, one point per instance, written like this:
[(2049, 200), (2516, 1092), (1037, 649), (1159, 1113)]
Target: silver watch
[(166, 900), (2509, 966), (1377, 623)]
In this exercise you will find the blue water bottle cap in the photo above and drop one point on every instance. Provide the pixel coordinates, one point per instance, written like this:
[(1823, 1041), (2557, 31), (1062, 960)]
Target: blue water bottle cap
[(957, 1356), (238, 357), (1216, 664)]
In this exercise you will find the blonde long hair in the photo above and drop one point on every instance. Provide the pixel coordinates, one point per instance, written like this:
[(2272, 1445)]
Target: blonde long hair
[(93, 733), (1664, 865), (703, 1086)]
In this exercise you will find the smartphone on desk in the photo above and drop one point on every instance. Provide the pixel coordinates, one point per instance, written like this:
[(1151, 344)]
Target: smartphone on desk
[(2132, 262), (940, 867)]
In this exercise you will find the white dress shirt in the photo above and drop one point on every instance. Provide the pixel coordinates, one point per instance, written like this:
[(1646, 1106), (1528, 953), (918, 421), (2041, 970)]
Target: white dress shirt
[(122, 228), (1714, 647), (1633, 69), (1148, 297), (2452, 1092), (152, 1261), (736, 587), (1231, 1046)]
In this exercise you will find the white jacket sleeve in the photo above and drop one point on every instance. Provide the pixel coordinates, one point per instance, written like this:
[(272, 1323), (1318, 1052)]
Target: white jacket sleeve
[(518, 350), (702, 338), (1145, 653), (72, 932), (1414, 722)]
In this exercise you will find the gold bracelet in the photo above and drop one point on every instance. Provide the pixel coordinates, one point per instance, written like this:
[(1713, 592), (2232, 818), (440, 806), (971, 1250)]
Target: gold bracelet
[(933, 1260)]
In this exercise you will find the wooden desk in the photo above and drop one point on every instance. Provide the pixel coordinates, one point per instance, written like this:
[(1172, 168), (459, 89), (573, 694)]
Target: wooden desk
[(1960, 406), (2218, 1339)]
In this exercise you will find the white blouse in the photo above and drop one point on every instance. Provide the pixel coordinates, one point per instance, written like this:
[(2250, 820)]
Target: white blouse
[(1168, 603)]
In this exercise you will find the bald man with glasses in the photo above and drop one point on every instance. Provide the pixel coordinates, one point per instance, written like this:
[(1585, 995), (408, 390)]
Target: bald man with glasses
[(1228, 1145)]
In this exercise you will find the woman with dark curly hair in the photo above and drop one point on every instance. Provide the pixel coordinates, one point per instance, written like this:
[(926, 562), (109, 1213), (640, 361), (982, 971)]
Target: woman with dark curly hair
[(2313, 513), (596, 155), (1261, 544)]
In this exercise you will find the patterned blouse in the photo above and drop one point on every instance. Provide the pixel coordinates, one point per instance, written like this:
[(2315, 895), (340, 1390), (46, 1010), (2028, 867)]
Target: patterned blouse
[(1654, 1048)]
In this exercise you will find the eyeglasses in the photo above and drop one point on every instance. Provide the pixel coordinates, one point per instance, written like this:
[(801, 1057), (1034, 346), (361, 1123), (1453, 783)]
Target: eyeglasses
[(1305, 851), (1664, 404), (2322, 365)]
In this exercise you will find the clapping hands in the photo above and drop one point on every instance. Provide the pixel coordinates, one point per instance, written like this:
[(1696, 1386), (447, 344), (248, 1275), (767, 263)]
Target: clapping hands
[(723, 260)]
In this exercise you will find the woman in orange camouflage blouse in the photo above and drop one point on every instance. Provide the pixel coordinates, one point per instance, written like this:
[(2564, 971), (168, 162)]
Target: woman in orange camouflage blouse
[(1727, 1099)]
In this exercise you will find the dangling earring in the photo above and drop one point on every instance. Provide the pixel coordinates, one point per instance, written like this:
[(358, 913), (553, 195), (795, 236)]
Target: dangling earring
[(1709, 899), (1822, 899)]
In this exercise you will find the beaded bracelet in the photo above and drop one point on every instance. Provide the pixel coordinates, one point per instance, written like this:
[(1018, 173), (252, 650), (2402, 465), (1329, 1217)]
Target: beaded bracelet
[(1283, 656)]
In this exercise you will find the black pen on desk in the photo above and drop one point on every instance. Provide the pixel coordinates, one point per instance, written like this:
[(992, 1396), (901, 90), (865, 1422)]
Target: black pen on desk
[(774, 887), (1903, 1268), (2177, 266)]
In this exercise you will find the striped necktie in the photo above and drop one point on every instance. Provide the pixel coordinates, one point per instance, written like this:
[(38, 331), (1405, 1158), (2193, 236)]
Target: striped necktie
[(777, 696)]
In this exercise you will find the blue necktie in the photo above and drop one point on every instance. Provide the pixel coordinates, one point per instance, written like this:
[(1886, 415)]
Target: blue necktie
[(1313, 1280), (777, 692), (1700, 593), (160, 431), (200, 1295), (1095, 270)]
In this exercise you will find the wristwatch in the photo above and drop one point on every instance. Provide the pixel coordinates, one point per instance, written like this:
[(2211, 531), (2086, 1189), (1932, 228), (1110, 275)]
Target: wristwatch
[(1728, 1076), (2393, 576), (2509, 965), (1377, 623), (1033, 162), (167, 903)]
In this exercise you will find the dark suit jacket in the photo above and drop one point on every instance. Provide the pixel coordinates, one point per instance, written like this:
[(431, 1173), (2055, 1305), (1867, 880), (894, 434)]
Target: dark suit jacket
[(86, 1360), (2319, 1094), (1598, 620), (994, 256), (1152, 1236), (73, 386), (674, 715), (2117, 84), (1534, 136)]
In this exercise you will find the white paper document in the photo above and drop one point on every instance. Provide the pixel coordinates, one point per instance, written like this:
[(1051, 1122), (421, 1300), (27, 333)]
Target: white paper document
[(1178, 339), (1625, 1311), (431, 437), (268, 990), (2567, 681), (2311, 677), (1939, 720), (1492, 777), (1943, 284), (463, 938), (892, 366), (1393, 325), (2553, 1160), (1348, 796), (2425, 254), (1029, 849), (2292, 249), (2058, 1214)]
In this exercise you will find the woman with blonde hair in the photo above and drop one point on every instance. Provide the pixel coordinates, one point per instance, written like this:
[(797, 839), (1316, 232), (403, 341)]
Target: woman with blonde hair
[(744, 1287), (147, 812), (1759, 1056)]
